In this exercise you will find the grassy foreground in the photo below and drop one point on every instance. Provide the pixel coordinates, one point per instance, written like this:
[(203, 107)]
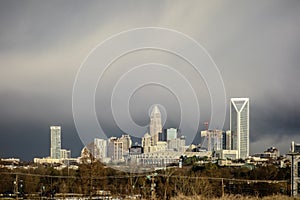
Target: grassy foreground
[(230, 197)]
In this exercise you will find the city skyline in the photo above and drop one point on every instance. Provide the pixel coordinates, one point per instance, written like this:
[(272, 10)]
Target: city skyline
[(42, 46)]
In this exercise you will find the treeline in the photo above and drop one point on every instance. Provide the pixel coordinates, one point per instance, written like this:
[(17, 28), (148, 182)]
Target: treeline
[(208, 179)]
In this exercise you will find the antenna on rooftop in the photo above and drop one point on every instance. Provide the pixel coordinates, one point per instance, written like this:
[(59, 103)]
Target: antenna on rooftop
[(206, 125)]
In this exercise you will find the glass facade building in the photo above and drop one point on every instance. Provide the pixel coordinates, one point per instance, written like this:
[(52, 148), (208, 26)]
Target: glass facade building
[(239, 126), (171, 133)]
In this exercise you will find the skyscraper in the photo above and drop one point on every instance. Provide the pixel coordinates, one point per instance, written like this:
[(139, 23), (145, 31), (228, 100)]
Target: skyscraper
[(171, 133), (55, 148), (227, 140), (115, 149), (239, 126), (214, 139), (155, 125), (100, 149)]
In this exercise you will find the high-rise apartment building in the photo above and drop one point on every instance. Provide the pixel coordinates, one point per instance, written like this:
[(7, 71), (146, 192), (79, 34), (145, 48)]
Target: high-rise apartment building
[(155, 125), (239, 126), (55, 149), (115, 149)]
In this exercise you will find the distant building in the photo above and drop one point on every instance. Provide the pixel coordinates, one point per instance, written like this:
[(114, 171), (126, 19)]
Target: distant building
[(177, 144), (100, 149), (227, 140), (86, 156), (65, 154), (239, 126), (162, 136), (12, 161), (295, 148), (160, 146), (146, 143), (115, 149), (295, 169), (270, 153), (214, 139), (136, 150), (155, 125), (46, 160), (227, 154), (171, 133), (126, 142), (55, 132)]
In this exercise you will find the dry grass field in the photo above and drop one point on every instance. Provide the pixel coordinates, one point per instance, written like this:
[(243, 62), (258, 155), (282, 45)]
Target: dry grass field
[(233, 197)]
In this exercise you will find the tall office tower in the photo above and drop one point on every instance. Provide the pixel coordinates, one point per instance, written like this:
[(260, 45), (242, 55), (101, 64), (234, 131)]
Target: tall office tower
[(155, 125), (177, 144), (100, 149), (171, 133), (239, 126), (227, 140), (127, 142), (55, 148), (214, 139)]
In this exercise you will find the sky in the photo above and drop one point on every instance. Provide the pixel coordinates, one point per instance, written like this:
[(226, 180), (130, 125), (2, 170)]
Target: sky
[(254, 44)]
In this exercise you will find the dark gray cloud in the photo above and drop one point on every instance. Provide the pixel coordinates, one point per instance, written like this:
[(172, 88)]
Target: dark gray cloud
[(42, 44)]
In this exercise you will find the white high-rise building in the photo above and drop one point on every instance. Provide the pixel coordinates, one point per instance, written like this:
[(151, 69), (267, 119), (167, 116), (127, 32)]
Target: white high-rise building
[(239, 126), (127, 142), (55, 132), (100, 149), (115, 149), (155, 125), (146, 143)]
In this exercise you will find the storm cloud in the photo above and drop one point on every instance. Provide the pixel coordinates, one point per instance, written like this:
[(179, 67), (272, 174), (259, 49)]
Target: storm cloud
[(255, 45)]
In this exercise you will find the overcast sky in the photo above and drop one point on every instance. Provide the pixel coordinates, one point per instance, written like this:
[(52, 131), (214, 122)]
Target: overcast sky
[(255, 45)]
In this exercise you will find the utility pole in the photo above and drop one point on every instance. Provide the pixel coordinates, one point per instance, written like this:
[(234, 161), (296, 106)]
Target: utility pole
[(16, 186), (153, 188), (295, 160), (152, 178), (223, 192)]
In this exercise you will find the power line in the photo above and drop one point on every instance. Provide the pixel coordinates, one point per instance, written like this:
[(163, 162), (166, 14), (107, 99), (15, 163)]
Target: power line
[(144, 175)]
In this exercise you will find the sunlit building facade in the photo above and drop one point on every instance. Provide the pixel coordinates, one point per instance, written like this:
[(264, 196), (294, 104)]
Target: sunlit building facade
[(55, 148), (155, 125), (239, 126), (100, 149)]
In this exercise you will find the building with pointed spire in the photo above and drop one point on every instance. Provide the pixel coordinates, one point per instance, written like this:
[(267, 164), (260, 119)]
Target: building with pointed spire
[(155, 125)]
